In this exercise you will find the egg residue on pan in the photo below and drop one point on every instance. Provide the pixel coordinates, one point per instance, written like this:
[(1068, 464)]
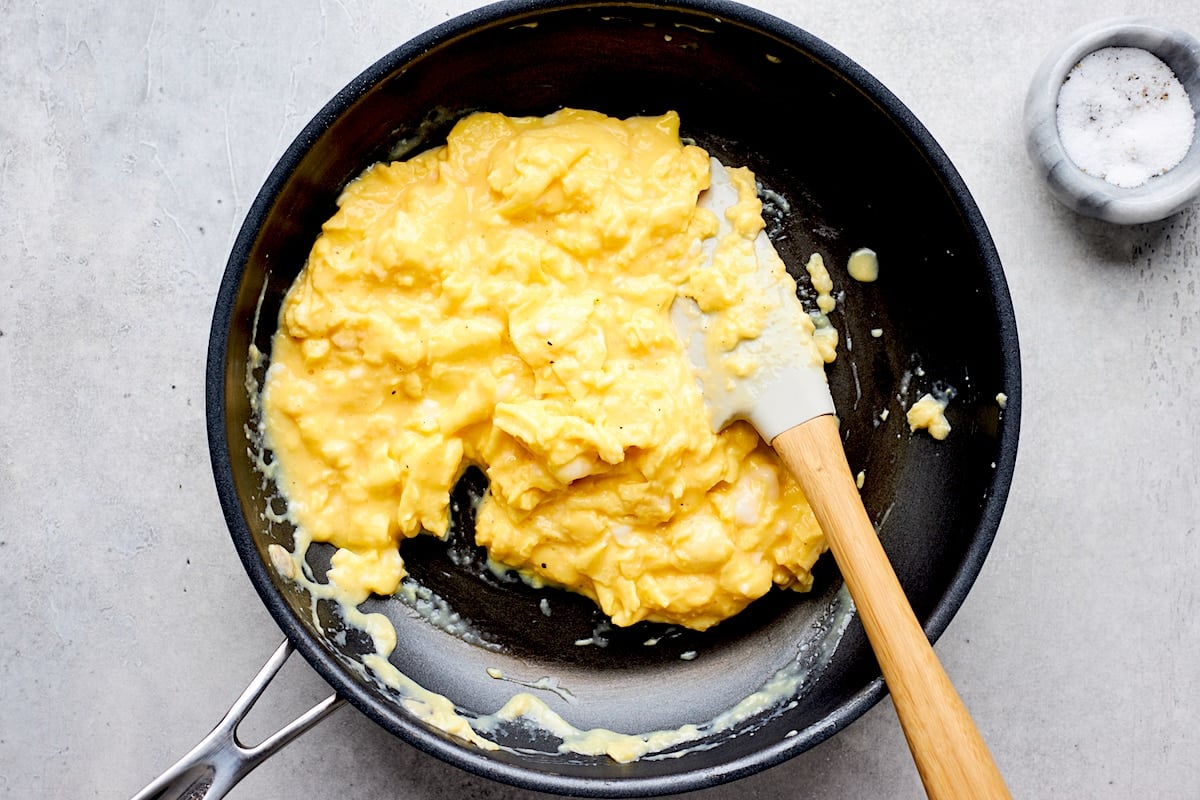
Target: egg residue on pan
[(503, 301)]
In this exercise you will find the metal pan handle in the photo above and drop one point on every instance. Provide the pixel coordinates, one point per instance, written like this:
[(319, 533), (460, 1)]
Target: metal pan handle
[(214, 766)]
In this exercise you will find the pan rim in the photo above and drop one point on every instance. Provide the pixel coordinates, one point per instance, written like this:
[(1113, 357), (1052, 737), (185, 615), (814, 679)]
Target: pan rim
[(464, 756)]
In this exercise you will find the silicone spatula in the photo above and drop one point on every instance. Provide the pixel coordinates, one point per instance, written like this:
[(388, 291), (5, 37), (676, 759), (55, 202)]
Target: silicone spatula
[(786, 398)]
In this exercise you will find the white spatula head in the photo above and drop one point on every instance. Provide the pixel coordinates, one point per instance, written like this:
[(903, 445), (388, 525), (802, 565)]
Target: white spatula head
[(776, 379)]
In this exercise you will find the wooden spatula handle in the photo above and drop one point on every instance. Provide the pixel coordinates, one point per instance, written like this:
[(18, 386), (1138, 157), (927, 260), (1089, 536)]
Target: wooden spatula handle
[(949, 751)]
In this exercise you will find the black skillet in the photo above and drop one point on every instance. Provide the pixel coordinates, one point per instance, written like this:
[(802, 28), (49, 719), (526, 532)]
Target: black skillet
[(851, 167)]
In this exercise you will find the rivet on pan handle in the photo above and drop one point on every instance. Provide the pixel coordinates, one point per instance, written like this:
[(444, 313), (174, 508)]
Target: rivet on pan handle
[(214, 766)]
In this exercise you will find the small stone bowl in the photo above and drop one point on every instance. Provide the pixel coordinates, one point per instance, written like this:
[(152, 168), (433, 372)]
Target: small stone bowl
[(1162, 195)]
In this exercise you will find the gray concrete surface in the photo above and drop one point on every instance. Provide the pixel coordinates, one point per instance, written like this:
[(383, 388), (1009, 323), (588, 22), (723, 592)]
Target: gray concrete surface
[(132, 139)]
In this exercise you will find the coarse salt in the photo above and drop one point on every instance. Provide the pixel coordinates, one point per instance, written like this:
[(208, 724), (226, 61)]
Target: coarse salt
[(1123, 116)]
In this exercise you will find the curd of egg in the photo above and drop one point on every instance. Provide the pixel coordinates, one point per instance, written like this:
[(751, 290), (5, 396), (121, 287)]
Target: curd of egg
[(503, 301), (863, 265), (929, 413)]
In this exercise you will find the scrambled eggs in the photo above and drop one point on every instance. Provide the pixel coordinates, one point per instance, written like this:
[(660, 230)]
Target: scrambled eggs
[(929, 413), (503, 301)]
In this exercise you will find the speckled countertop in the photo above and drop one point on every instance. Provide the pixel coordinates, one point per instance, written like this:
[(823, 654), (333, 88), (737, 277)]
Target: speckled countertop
[(132, 139)]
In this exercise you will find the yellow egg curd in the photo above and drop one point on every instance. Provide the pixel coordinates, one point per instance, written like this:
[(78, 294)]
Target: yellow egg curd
[(503, 301)]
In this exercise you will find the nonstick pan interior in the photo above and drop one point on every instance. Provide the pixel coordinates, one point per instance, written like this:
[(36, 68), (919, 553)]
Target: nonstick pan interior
[(847, 166)]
